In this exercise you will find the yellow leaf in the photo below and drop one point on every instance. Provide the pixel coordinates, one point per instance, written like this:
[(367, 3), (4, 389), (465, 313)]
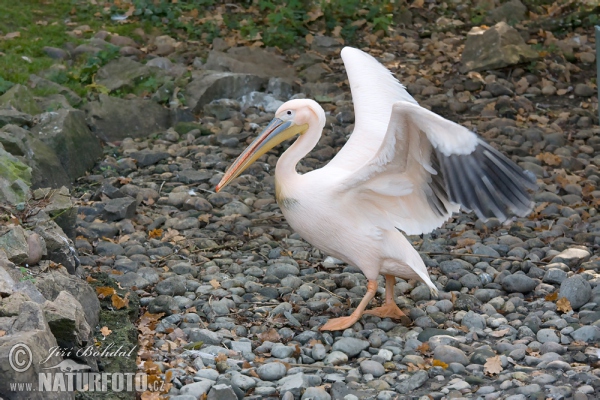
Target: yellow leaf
[(155, 233), (438, 363), (492, 366), (105, 331), (215, 283), (424, 348), (551, 296), (549, 158), (564, 305), (119, 302), (104, 291)]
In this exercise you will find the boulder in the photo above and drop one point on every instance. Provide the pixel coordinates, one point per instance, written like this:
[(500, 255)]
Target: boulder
[(124, 74), (21, 99), (60, 248), (15, 179), (28, 330), (249, 60), (497, 47), (53, 87), (60, 207), (15, 117), (210, 85), (46, 168), (13, 241), (66, 319), (55, 281), (7, 284), (66, 132), (512, 11), (114, 119)]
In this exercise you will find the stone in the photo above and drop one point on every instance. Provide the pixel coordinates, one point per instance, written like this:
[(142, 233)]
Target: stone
[(315, 393), (21, 99), (414, 382), (271, 371), (124, 74), (336, 358), (210, 85), (148, 157), (577, 290), (588, 334), (114, 119), (294, 384), (46, 168), (196, 389), (249, 60), (350, 346), (509, 12), (449, 354), (221, 392), (547, 335), (15, 179), (472, 320), (14, 117), (554, 275), (572, 256), (583, 90), (56, 53), (7, 284), (372, 367), (67, 134), (519, 283), (13, 241), (40, 83), (60, 247), (497, 47), (120, 208)]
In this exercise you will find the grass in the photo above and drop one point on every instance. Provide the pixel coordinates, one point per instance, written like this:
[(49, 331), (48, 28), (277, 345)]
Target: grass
[(43, 23)]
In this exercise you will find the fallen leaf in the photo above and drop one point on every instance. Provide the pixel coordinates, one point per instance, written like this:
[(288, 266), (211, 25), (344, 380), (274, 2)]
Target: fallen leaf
[(12, 35), (104, 292), (155, 233), (2, 333), (564, 305), (464, 242), (105, 331), (220, 357), (492, 366), (551, 297), (271, 335), (500, 333), (438, 363), (120, 302), (424, 348), (148, 395), (89, 279), (309, 38), (215, 283), (549, 158)]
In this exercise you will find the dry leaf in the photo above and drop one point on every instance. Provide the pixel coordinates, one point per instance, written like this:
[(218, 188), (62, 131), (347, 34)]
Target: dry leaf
[(105, 331), (215, 283), (500, 333), (564, 305), (89, 279), (119, 302), (551, 296), (2, 333), (104, 292), (309, 38), (492, 366), (155, 233), (337, 31), (424, 348), (148, 395), (438, 363), (464, 242), (220, 357), (12, 35), (271, 335), (549, 158)]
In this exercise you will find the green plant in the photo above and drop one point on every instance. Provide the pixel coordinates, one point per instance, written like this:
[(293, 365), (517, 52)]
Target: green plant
[(5, 85)]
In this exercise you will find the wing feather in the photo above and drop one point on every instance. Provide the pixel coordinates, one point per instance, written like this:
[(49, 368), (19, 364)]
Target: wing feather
[(431, 166)]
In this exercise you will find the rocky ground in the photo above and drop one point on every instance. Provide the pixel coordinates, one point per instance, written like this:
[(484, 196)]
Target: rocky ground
[(231, 298)]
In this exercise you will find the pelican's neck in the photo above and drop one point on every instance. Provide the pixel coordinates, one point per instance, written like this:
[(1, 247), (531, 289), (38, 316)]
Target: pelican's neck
[(286, 165)]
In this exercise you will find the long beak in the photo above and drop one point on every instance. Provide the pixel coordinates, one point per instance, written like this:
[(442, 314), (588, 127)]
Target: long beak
[(276, 132)]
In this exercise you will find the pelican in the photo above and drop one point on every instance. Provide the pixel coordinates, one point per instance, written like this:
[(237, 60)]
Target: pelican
[(404, 168)]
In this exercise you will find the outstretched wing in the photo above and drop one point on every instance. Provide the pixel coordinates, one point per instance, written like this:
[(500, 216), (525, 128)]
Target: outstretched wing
[(374, 91), (426, 166)]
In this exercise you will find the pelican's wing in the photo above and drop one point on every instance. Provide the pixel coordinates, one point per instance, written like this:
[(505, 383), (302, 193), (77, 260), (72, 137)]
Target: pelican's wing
[(374, 91), (426, 166)]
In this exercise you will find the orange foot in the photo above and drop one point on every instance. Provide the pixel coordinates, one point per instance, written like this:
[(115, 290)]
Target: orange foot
[(389, 310), (338, 324)]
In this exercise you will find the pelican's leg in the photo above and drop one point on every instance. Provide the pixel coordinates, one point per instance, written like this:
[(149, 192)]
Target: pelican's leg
[(390, 308), (338, 324)]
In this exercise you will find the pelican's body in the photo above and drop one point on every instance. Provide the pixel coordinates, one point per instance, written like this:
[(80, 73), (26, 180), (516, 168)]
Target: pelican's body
[(404, 168)]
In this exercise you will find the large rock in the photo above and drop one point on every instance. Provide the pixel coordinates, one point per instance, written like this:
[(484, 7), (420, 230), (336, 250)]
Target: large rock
[(210, 85), (15, 117), (510, 12), (15, 178), (577, 290), (21, 99), (497, 47), (60, 248), (66, 319), (7, 283), (60, 207), (46, 168), (26, 327), (66, 132), (249, 60), (114, 119), (57, 280), (52, 87), (125, 73), (13, 241)]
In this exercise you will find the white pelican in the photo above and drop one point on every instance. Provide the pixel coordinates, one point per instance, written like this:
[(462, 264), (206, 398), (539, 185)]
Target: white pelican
[(403, 168)]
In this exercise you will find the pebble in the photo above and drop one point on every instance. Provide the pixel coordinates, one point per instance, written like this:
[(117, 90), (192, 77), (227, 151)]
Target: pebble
[(577, 290), (449, 354)]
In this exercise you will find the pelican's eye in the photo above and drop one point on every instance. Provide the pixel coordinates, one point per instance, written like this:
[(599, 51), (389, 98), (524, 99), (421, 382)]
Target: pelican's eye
[(288, 115)]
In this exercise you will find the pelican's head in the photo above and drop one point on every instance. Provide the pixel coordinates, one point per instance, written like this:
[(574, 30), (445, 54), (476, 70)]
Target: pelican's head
[(291, 119)]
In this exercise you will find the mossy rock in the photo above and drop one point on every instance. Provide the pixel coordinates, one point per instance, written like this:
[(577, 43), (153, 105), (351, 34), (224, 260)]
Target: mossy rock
[(15, 179), (20, 98)]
